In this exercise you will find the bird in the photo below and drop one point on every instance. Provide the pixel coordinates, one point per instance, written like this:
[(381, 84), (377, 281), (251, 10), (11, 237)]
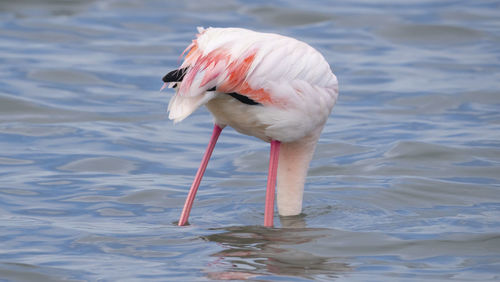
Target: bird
[(270, 86)]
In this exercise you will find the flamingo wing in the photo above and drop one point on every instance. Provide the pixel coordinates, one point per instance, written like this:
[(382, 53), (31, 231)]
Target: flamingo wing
[(255, 68)]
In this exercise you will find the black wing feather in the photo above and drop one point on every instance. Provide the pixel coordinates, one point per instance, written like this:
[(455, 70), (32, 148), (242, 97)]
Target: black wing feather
[(175, 75), (178, 75)]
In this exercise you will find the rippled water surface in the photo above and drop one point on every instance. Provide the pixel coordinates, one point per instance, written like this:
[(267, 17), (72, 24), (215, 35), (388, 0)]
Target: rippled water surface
[(404, 185)]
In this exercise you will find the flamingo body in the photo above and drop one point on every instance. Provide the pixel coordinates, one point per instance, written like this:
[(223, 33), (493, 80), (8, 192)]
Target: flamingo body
[(266, 85)]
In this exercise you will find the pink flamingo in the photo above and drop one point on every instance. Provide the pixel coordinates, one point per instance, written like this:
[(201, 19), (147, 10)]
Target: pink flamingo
[(266, 85)]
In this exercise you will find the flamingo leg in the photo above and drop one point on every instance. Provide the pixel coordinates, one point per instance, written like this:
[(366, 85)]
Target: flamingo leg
[(271, 183), (199, 175)]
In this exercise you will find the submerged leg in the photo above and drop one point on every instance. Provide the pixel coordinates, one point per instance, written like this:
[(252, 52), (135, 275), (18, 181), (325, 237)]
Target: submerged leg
[(271, 183), (197, 179)]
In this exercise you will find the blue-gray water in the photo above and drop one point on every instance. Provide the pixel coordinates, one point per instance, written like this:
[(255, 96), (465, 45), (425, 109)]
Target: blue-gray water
[(404, 186)]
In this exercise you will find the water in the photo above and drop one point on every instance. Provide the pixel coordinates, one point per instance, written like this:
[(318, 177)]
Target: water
[(404, 185)]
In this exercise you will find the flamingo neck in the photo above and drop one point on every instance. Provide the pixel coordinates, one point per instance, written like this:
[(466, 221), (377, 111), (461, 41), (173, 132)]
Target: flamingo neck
[(293, 164)]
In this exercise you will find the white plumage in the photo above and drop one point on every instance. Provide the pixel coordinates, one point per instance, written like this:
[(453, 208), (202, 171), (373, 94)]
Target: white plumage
[(290, 82)]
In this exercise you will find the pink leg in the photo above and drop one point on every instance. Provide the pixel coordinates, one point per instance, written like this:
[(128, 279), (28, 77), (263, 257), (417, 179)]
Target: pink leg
[(197, 179), (271, 183)]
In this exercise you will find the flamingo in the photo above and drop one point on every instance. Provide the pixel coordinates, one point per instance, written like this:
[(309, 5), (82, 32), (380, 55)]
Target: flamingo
[(273, 87)]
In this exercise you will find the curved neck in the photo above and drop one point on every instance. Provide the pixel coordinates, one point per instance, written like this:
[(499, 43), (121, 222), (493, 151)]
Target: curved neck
[(293, 164)]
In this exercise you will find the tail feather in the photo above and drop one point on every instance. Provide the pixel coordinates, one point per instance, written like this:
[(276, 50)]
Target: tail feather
[(180, 107)]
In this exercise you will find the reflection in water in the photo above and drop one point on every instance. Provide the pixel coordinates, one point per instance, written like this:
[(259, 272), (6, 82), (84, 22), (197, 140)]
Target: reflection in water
[(297, 221), (251, 251), (28, 272)]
